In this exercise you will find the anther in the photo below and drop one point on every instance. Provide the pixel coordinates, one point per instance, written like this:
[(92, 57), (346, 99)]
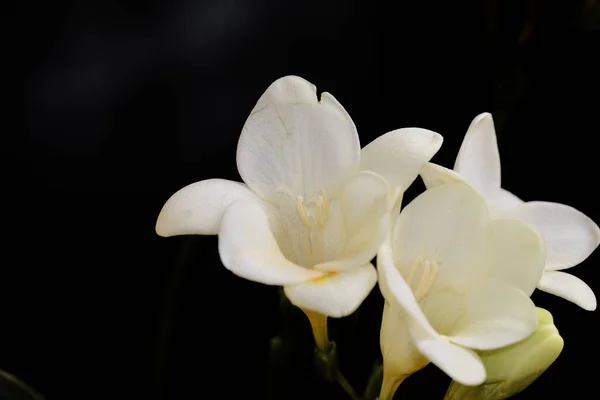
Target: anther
[(302, 212)]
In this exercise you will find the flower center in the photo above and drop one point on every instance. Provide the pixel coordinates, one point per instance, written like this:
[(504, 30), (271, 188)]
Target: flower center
[(427, 271), (314, 220)]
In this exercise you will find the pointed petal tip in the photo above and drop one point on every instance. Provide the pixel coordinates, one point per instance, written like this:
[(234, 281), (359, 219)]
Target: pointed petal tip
[(461, 364), (568, 287), (294, 89), (595, 231), (197, 208), (164, 226), (591, 304), (399, 155), (483, 116), (159, 229)]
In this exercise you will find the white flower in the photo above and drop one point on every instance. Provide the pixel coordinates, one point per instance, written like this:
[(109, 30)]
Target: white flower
[(312, 212), (570, 236), (454, 281), (510, 370)]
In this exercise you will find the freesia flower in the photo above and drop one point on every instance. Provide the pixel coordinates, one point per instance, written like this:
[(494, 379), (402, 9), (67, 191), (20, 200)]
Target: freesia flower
[(570, 236), (512, 369), (454, 281), (314, 209)]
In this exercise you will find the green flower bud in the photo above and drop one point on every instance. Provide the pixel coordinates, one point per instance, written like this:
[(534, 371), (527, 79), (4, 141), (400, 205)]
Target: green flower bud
[(511, 369)]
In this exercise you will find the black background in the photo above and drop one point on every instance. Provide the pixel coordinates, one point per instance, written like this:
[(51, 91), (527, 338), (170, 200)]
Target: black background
[(126, 102)]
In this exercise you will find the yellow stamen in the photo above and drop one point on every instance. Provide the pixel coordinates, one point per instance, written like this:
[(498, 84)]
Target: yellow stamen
[(429, 271)]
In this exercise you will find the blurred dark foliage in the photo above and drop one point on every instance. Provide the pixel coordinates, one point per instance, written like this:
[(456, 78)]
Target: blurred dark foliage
[(126, 102), (12, 388)]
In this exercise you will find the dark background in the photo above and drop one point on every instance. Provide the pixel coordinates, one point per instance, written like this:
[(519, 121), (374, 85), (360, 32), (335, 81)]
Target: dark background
[(126, 102)]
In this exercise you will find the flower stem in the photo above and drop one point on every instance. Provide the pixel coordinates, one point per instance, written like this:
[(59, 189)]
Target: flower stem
[(347, 387)]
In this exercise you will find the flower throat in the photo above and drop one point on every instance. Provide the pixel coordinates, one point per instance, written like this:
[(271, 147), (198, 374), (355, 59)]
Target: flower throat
[(313, 228)]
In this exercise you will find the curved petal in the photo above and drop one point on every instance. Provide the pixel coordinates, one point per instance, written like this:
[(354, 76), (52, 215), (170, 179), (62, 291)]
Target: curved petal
[(395, 289), (335, 294), (503, 200), (499, 200), (443, 234), (519, 254), (478, 159), (197, 209), (364, 223), (400, 355), (442, 309), (249, 250), (399, 155), (569, 287), (295, 144), (435, 175), (495, 315), (462, 365), (569, 234)]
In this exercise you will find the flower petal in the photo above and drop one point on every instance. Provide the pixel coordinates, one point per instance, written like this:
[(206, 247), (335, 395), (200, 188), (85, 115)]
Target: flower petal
[(249, 250), (498, 199), (569, 234), (503, 200), (395, 289), (478, 158), (295, 144), (365, 222), (495, 315), (400, 355), (334, 294), (197, 209), (435, 175), (462, 365), (569, 287), (442, 309), (399, 155), (519, 254), (447, 225)]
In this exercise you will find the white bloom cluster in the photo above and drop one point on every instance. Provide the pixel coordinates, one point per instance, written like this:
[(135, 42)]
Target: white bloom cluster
[(456, 266)]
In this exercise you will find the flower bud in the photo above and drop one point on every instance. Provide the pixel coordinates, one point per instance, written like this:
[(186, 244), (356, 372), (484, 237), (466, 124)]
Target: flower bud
[(511, 369)]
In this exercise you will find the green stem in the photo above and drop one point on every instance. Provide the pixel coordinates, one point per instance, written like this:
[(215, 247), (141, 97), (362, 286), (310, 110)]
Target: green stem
[(347, 387)]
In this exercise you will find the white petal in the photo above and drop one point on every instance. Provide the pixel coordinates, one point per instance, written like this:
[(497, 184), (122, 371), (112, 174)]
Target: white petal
[(495, 315), (569, 287), (249, 250), (462, 365), (478, 158), (448, 226), (442, 309), (336, 294), (395, 289), (295, 144), (497, 198), (503, 200), (400, 355), (399, 155), (197, 209), (519, 254), (365, 222), (569, 234), (435, 175)]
